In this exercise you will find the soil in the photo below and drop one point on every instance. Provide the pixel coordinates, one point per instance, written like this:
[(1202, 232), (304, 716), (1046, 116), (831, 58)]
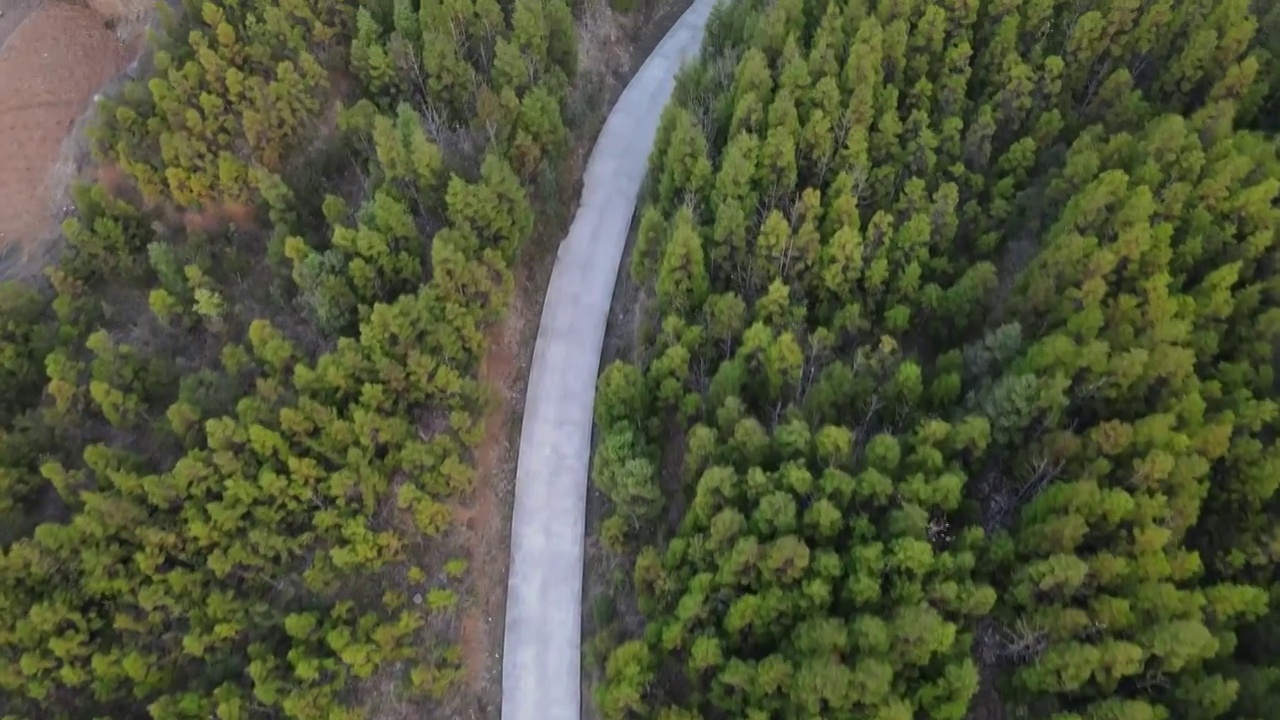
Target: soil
[(611, 49), (486, 518), (14, 12), (54, 57)]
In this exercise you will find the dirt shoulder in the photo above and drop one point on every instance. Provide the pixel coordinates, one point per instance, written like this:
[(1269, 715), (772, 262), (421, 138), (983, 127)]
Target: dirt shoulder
[(612, 48)]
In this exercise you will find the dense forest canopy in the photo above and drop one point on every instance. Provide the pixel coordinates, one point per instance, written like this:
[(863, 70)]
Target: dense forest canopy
[(233, 429), (957, 395)]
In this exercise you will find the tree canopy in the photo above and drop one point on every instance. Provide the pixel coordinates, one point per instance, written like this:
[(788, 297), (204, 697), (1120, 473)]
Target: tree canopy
[(961, 347), (235, 425)]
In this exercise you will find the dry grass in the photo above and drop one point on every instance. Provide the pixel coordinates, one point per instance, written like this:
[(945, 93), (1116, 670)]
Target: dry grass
[(486, 528), (129, 18), (603, 45)]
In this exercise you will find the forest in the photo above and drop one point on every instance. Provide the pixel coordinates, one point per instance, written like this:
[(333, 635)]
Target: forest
[(956, 395), (237, 413), (955, 391)]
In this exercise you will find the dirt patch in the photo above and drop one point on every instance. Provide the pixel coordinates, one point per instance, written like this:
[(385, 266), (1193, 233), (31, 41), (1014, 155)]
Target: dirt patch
[(13, 13), (109, 8), (486, 520), (52, 63)]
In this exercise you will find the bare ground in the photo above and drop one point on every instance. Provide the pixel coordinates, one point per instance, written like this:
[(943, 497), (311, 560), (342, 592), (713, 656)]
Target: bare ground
[(486, 518), (611, 47), (54, 57), (12, 13)]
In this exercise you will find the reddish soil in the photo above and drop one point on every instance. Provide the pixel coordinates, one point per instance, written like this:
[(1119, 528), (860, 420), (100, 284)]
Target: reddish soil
[(486, 519), (109, 8), (54, 58)]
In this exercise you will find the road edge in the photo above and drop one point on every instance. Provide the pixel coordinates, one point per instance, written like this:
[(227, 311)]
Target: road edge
[(541, 665)]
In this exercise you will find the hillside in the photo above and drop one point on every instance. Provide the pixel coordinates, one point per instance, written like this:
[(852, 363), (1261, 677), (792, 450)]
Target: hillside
[(54, 58), (251, 455)]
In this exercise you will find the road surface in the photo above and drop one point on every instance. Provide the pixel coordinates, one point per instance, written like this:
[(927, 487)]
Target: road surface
[(542, 647)]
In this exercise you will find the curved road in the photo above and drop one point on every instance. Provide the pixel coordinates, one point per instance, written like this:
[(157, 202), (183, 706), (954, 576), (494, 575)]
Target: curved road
[(542, 647)]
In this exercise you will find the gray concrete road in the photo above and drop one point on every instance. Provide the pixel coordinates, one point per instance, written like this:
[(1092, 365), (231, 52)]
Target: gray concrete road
[(542, 648)]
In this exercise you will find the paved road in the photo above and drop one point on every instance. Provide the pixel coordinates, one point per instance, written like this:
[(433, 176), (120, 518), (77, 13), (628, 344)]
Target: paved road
[(542, 648)]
